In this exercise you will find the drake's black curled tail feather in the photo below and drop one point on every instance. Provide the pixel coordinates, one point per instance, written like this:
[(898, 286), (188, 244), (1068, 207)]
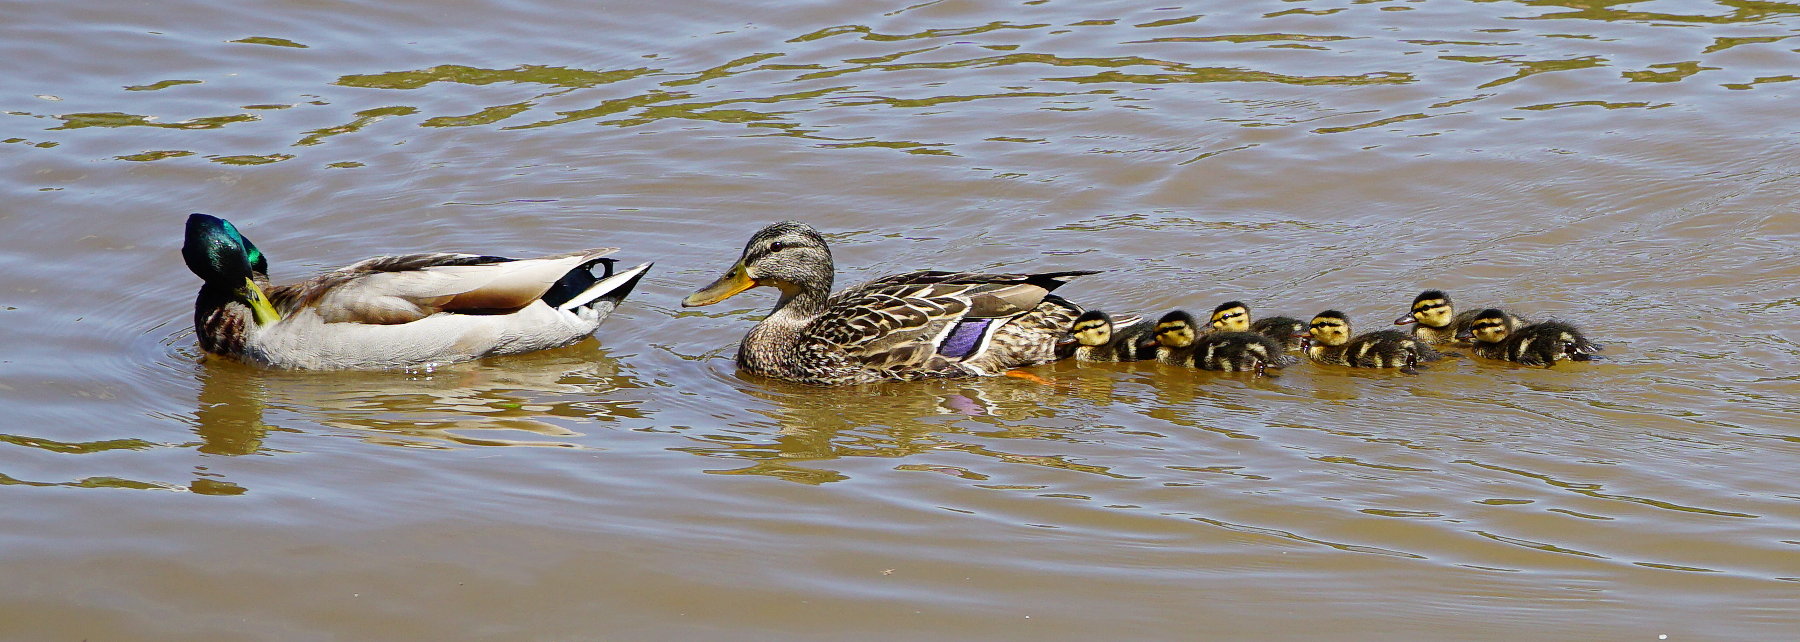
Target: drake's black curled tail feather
[(1053, 280), (578, 281)]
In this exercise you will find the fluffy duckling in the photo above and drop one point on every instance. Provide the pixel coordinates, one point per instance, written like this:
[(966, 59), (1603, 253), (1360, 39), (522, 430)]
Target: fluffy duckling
[(1538, 344), (1234, 316), (1179, 342), (1095, 336), (1329, 341), (1439, 324)]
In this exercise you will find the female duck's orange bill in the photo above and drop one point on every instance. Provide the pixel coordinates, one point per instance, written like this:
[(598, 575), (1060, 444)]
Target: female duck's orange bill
[(736, 280)]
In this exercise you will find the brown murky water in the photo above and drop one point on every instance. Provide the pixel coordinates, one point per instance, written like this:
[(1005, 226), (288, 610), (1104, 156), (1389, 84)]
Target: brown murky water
[(1633, 167)]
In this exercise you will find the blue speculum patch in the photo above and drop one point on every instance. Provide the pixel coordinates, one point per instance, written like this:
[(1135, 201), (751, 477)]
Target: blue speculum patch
[(964, 338)]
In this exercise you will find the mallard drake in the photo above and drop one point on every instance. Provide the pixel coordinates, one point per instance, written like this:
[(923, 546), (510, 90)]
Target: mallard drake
[(1234, 316), (1538, 344), (1328, 340), (1437, 320), (917, 325), (393, 311), (1178, 342), (1096, 337)]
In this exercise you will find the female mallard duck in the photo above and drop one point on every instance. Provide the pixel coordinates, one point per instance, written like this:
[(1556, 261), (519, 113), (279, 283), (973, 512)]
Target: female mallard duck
[(1328, 340), (1179, 342), (1438, 322), (1538, 344), (393, 311), (1234, 316), (916, 325), (1095, 338)]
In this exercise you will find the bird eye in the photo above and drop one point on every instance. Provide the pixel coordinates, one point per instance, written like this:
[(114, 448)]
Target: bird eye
[(777, 246)]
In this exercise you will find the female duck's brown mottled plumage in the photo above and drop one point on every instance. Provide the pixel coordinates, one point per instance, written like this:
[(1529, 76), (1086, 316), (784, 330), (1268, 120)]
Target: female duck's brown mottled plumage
[(916, 325), (393, 311)]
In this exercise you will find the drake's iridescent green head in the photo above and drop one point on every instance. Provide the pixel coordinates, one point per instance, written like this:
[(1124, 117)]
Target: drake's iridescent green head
[(1231, 316), (1176, 330), (1329, 328), (1092, 328), (220, 255), (790, 256), (1488, 326), (1431, 309)]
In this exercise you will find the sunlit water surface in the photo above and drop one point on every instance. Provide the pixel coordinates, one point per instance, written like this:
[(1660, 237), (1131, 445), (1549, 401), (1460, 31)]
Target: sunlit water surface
[(1631, 166)]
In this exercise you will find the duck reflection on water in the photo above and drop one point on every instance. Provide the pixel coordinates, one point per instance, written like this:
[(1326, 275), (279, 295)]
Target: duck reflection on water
[(468, 404)]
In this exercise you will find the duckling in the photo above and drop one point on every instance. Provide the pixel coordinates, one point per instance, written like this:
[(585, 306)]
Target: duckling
[(1178, 343), (1234, 316), (1538, 344), (1095, 336), (1328, 340), (1438, 323)]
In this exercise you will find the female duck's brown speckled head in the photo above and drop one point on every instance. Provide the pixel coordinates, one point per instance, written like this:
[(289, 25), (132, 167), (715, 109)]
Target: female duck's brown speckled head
[(790, 256)]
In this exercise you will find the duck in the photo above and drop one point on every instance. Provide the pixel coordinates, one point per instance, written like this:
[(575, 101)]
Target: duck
[(1328, 340), (1537, 344), (1096, 337), (924, 324), (1177, 341), (1234, 316), (399, 311), (1437, 323)]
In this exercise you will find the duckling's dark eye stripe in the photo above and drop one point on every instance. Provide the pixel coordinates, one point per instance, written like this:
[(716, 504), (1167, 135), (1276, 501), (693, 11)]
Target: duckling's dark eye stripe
[(1487, 324), (1430, 305)]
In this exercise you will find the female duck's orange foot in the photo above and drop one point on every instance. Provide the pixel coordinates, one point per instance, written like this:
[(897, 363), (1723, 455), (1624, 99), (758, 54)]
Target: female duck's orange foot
[(1026, 376)]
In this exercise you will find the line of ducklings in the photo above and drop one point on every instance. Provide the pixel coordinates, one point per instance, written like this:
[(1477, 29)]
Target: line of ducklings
[(1232, 342)]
